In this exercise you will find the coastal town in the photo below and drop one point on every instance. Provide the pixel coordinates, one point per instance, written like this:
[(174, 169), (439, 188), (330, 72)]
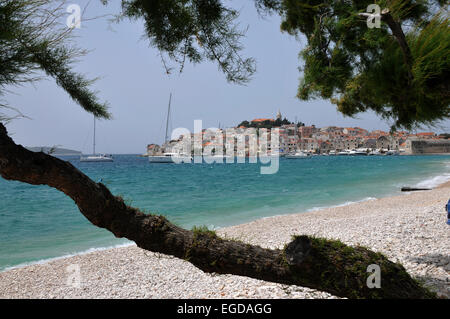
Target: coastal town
[(311, 140)]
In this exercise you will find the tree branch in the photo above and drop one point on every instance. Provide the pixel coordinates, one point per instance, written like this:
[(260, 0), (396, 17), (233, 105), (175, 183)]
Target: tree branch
[(399, 36), (311, 262), (397, 31)]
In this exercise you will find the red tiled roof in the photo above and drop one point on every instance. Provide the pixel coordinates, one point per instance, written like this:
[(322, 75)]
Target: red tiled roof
[(425, 134), (263, 120)]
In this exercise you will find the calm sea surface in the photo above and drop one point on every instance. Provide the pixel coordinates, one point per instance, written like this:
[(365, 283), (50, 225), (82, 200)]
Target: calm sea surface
[(38, 222)]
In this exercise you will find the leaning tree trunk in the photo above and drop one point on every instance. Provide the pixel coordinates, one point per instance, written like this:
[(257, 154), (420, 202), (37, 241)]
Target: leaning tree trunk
[(310, 262)]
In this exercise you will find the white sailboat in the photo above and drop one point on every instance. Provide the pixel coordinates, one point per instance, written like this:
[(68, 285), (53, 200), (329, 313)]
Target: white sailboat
[(96, 157), (169, 157)]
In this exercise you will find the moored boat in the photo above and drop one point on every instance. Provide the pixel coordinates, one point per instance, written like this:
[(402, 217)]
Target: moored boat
[(375, 152), (361, 152), (170, 158), (296, 155), (392, 152), (96, 157)]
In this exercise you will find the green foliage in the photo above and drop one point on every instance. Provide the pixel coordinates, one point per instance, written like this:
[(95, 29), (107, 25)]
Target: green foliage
[(357, 68), (338, 265), (384, 86), (266, 124), (362, 69), (193, 30), (32, 40), (244, 124), (203, 230)]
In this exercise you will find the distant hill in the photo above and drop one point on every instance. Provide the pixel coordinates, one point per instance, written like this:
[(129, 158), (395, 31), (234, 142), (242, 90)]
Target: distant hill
[(57, 151)]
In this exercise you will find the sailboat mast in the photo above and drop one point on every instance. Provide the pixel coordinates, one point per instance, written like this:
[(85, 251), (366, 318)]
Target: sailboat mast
[(167, 122), (94, 135)]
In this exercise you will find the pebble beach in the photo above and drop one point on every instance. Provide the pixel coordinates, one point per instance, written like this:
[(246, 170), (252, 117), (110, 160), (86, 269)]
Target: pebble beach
[(410, 229)]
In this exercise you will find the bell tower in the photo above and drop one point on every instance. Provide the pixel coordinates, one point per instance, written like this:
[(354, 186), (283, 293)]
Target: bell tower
[(279, 115)]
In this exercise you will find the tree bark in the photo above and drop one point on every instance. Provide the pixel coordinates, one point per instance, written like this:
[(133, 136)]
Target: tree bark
[(310, 262), (399, 35)]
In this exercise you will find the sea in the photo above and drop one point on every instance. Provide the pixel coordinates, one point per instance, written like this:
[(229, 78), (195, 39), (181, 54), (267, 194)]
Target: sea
[(39, 223)]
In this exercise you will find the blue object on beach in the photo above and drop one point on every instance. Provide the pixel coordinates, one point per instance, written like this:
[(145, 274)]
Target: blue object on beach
[(447, 207)]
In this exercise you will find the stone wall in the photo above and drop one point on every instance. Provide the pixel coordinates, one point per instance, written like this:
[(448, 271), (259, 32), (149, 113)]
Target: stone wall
[(428, 147)]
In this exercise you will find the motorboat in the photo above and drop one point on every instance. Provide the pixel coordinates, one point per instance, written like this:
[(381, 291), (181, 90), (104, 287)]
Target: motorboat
[(392, 152), (296, 155), (361, 152)]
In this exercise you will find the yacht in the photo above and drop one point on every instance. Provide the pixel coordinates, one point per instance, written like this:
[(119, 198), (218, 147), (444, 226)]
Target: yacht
[(374, 152), (169, 157), (361, 152), (296, 155), (392, 152), (96, 157), (343, 153)]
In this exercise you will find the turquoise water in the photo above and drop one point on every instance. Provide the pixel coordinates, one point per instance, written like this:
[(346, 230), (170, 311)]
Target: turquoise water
[(37, 222)]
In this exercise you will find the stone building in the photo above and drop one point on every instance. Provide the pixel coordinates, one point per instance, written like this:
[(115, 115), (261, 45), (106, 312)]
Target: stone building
[(153, 149)]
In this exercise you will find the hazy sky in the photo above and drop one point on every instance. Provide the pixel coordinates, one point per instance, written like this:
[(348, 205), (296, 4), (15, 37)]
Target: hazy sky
[(137, 88)]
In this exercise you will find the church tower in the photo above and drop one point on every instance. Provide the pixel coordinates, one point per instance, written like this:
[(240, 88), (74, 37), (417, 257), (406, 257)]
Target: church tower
[(279, 115)]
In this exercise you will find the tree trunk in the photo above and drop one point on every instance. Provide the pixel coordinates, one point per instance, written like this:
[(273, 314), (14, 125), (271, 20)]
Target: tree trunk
[(310, 262), (399, 35)]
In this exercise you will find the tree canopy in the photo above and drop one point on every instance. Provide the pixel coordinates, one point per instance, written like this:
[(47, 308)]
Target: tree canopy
[(400, 70), (193, 30), (267, 123), (32, 39)]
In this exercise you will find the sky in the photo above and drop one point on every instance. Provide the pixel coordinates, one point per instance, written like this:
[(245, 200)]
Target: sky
[(133, 81)]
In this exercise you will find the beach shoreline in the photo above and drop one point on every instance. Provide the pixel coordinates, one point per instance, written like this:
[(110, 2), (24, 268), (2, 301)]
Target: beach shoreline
[(409, 228), (444, 185)]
